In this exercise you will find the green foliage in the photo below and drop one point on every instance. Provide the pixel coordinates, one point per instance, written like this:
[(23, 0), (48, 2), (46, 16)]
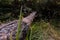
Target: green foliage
[(39, 31)]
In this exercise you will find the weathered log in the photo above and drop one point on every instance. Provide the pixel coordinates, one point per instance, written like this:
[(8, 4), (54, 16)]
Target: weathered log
[(5, 31)]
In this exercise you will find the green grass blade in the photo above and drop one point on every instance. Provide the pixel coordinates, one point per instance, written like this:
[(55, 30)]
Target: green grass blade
[(19, 25), (11, 36)]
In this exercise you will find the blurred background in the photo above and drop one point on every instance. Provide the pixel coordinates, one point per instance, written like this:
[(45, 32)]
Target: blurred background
[(48, 11)]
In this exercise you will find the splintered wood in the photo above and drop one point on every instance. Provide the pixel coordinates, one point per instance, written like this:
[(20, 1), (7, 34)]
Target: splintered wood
[(6, 30)]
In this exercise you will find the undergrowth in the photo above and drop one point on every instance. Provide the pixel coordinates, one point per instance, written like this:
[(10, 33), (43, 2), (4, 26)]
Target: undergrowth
[(43, 31)]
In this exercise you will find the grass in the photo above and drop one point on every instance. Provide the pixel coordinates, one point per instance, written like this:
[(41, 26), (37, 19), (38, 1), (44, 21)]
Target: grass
[(38, 31), (43, 31), (19, 25), (11, 36)]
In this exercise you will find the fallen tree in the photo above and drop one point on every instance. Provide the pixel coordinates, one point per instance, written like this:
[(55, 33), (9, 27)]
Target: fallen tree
[(6, 30)]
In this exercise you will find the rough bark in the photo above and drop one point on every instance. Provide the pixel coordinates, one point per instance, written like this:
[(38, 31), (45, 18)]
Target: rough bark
[(6, 30)]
